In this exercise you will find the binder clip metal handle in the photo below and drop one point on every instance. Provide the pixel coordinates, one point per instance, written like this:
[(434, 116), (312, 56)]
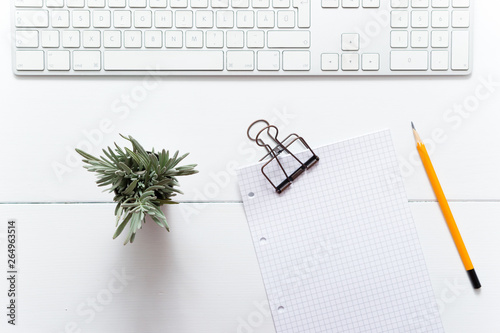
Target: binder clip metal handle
[(280, 146)]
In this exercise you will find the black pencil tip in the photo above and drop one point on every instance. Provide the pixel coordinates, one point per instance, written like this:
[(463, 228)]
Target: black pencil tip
[(413, 126)]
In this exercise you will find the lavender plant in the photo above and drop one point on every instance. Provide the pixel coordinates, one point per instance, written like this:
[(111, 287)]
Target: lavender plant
[(142, 182)]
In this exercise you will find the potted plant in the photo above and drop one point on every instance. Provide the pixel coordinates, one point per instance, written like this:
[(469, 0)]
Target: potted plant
[(142, 182)]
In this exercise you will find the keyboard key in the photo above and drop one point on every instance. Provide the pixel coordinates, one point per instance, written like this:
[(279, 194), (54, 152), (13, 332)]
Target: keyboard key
[(194, 39), (409, 60), (164, 60), (370, 62), (96, 3), (439, 60), (420, 3), (91, 39), (371, 3), (235, 39), (399, 3), (225, 19), (184, 19), (112, 39), (329, 62), (240, 3), (440, 3), (260, 3), (281, 3), (419, 19), (350, 3), (26, 38), (75, 3), (204, 19), (102, 19), (50, 38), (265, 19), (255, 39), (286, 19), (296, 60), (81, 19), (439, 38), (122, 19), (399, 38), (245, 18), (220, 3), (30, 61), (29, 3), (240, 60), (71, 39), (143, 19), (268, 60), (215, 39), (461, 3), (173, 39), (330, 3), (399, 19), (304, 13), (178, 3), (55, 3), (60, 19), (350, 62), (163, 19), (139, 3), (460, 19), (58, 60), (198, 3), (419, 39), (32, 18), (460, 50), (440, 19), (350, 42), (123, 3), (86, 60), (288, 39), (132, 39)]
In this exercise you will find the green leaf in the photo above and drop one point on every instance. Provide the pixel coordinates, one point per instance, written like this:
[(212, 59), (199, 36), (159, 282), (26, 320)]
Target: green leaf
[(147, 194), (122, 226), (154, 163), (85, 155), (131, 187), (137, 147), (125, 168), (134, 157)]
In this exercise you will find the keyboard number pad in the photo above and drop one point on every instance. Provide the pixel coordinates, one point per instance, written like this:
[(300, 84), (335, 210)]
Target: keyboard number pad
[(430, 35)]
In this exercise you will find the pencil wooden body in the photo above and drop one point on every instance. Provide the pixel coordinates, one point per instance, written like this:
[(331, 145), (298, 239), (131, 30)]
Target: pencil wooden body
[(445, 207)]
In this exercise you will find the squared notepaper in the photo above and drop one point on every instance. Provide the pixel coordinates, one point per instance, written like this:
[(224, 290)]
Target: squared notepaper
[(338, 250)]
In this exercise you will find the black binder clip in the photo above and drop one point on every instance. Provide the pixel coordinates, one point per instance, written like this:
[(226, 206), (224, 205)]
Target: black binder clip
[(280, 147)]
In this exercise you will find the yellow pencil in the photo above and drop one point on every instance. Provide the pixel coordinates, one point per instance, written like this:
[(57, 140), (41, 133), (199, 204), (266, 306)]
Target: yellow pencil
[(445, 208)]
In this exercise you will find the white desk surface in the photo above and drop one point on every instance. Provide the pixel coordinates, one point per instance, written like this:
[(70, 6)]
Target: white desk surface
[(203, 276)]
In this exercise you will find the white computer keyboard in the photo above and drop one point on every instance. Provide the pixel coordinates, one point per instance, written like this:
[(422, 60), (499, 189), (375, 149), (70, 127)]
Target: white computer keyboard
[(242, 37)]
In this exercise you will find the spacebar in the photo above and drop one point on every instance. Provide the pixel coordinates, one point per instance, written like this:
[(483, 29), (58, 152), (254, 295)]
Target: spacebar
[(163, 60)]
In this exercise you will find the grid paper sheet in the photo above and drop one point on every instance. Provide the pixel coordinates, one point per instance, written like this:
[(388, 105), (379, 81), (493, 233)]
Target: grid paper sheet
[(338, 250)]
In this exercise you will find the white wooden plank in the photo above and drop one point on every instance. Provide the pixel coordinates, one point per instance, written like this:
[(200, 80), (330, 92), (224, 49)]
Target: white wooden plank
[(200, 277), (44, 119), (462, 308), (203, 275)]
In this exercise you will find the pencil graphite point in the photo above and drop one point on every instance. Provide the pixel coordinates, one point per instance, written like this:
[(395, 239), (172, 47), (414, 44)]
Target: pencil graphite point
[(418, 140)]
